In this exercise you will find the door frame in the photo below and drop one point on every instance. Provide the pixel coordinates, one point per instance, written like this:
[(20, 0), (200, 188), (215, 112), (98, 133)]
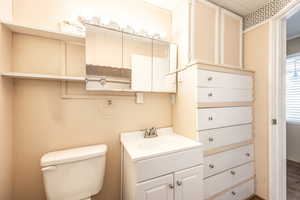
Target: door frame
[(277, 101)]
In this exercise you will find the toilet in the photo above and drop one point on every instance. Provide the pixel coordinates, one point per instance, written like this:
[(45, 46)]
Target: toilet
[(74, 174)]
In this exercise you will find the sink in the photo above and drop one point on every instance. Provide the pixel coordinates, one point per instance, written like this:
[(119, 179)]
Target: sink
[(140, 148)]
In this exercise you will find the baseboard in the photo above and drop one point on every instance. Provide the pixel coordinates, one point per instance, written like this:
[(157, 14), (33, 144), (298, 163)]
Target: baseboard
[(256, 197)]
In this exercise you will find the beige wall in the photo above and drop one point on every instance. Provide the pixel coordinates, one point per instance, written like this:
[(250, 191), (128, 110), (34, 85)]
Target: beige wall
[(5, 117), (6, 10), (49, 13), (44, 121), (293, 46), (256, 58)]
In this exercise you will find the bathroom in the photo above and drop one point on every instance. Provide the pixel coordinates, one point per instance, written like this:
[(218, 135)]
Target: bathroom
[(49, 104)]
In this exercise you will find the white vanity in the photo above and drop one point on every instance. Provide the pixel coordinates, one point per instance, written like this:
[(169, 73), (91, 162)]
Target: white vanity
[(167, 167)]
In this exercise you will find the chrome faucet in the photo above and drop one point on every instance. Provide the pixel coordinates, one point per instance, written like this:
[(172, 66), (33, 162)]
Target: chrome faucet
[(150, 133)]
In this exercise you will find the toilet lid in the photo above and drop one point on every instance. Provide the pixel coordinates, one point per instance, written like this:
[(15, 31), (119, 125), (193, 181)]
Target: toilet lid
[(71, 155)]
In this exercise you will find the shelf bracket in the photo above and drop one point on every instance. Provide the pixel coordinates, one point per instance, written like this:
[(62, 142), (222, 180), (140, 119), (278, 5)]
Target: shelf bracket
[(139, 98)]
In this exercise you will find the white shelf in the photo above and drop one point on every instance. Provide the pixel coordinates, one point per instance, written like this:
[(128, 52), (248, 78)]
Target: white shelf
[(17, 28), (17, 75)]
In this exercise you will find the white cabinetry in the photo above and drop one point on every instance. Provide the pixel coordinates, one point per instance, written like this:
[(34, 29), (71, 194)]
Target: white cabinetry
[(167, 167), (159, 188), (182, 185), (189, 184)]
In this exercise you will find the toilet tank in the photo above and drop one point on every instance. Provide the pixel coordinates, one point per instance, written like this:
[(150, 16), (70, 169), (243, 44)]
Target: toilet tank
[(74, 174)]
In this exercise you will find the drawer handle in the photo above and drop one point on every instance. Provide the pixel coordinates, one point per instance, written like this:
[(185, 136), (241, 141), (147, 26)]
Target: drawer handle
[(232, 172), (210, 139), (210, 118), (171, 186), (210, 94), (211, 166), (248, 154), (233, 193), (179, 183), (210, 78)]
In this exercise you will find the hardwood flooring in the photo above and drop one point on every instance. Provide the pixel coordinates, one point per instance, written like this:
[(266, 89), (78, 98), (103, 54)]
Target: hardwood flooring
[(293, 180)]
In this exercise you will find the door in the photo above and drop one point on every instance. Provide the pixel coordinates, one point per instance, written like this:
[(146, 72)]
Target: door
[(189, 184), (205, 32), (161, 188), (231, 39)]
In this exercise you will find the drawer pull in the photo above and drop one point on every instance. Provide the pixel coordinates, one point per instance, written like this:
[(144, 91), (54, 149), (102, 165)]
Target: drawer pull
[(210, 118), (210, 94), (171, 186), (233, 193), (232, 172), (179, 183), (210, 78), (210, 139), (211, 166), (248, 154)]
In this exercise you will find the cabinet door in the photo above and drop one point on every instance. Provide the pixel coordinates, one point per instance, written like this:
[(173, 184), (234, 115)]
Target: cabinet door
[(161, 188), (189, 184), (231, 39), (205, 32)]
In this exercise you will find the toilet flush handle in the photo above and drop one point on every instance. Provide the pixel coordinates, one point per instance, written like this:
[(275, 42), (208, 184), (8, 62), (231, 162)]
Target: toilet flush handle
[(49, 168)]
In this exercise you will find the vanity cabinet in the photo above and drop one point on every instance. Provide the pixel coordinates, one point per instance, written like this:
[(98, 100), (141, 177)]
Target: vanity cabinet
[(166, 167), (182, 185)]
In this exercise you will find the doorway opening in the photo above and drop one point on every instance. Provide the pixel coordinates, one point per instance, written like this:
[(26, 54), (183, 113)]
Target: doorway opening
[(292, 79), (284, 104)]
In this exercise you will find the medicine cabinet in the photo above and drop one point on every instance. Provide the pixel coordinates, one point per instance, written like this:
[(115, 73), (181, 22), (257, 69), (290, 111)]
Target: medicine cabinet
[(116, 59)]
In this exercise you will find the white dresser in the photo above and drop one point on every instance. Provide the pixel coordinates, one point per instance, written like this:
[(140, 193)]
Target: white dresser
[(214, 106), (224, 126)]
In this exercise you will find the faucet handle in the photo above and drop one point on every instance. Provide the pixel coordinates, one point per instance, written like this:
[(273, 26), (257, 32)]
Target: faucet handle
[(153, 131)]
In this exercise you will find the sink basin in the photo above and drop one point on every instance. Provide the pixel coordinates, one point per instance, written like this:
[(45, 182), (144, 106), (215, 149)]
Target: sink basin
[(167, 142)]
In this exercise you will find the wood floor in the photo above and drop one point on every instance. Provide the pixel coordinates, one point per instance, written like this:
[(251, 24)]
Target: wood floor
[(293, 180)]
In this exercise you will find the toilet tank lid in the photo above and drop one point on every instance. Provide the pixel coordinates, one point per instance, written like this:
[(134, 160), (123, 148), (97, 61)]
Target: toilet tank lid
[(71, 155)]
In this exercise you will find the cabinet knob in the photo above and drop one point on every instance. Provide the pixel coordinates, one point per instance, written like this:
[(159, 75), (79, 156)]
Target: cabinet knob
[(210, 118), (179, 183), (211, 166), (210, 78), (210, 139), (233, 193), (210, 94), (171, 186), (248, 154), (232, 172)]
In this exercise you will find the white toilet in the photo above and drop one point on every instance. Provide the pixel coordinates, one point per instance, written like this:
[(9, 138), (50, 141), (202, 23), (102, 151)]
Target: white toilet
[(74, 174)]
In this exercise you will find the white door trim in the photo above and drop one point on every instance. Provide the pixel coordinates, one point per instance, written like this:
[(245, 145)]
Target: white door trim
[(277, 105)]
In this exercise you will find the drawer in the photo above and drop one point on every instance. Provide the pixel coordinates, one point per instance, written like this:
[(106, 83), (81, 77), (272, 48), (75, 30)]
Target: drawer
[(162, 165), (224, 95), (226, 160), (215, 138), (241, 192), (210, 118), (223, 80), (220, 182)]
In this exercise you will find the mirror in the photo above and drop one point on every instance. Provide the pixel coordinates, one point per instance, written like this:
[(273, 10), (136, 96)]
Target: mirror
[(127, 61)]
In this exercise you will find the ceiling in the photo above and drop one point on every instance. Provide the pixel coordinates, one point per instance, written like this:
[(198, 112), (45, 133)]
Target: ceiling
[(241, 7), (293, 28)]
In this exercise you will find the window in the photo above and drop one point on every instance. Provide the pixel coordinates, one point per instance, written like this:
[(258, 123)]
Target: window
[(293, 89)]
